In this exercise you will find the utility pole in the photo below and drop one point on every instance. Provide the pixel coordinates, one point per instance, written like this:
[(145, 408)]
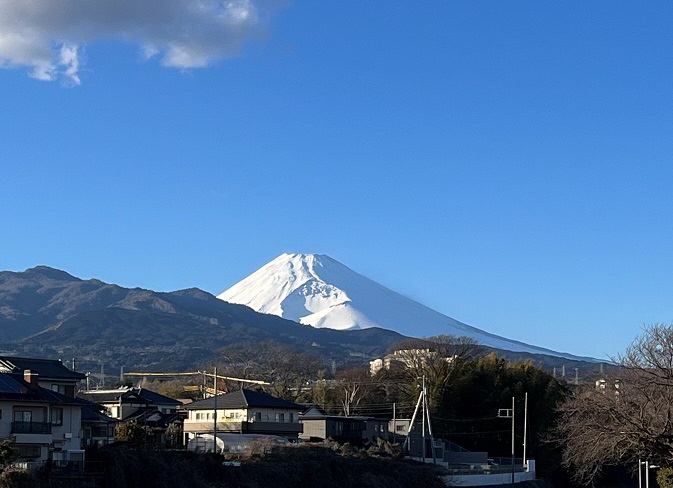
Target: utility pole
[(512, 440), (423, 419), (215, 412), (509, 413), (394, 423), (525, 427), (411, 423), (425, 412)]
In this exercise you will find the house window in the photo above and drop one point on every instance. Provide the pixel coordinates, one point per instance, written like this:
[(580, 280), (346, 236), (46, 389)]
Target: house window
[(258, 416), (28, 451), (56, 416), (23, 416), (280, 417), (291, 417)]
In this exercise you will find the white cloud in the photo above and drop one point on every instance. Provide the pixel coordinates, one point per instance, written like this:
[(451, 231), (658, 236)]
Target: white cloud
[(47, 36)]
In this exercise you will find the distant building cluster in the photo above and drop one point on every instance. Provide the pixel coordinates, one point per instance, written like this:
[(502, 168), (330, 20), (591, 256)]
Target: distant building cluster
[(403, 358)]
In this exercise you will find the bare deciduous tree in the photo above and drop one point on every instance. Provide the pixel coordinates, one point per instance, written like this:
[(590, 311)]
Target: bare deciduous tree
[(352, 387), (626, 417), (289, 372), (436, 358)]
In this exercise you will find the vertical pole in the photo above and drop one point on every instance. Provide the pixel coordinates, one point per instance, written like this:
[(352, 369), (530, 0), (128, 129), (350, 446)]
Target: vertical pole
[(640, 473), (411, 424), (512, 440), (423, 423), (394, 423), (525, 427), (432, 440), (647, 473), (215, 413)]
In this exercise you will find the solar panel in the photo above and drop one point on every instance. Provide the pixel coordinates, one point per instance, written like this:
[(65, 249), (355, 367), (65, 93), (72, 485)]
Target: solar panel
[(9, 384)]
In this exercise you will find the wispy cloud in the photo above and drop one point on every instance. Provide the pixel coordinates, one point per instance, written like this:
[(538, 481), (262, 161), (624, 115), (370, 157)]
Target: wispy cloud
[(47, 36)]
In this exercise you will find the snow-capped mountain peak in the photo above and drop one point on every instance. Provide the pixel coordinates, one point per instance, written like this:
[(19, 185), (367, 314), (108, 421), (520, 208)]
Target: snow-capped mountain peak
[(291, 287), (317, 290)]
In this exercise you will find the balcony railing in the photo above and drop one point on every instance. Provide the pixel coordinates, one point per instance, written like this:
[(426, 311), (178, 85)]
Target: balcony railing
[(31, 428)]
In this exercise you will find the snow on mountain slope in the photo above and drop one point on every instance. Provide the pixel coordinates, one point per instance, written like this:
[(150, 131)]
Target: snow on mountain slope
[(319, 291)]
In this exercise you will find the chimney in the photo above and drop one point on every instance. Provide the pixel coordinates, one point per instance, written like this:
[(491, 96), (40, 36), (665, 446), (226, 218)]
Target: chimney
[(30, 377)]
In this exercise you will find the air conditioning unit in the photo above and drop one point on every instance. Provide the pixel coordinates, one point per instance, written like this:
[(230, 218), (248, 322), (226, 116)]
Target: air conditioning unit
[(67, 435)]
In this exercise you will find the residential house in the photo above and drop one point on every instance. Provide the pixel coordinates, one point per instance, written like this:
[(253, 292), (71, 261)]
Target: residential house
[(121, 403), (243, 412), (145, 407), (358, 430), (52, 374), (98, 429), (44, 424)]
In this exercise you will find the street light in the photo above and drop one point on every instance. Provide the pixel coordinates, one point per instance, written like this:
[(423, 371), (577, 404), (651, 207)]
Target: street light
[(648, 466)]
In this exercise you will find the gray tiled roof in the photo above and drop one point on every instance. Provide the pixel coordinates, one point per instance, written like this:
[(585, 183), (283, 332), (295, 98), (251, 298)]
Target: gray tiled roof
[(243, 399)]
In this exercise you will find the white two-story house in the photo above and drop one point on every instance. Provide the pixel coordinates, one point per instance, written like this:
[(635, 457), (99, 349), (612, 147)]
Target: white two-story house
[(243, 412), (44, 424)]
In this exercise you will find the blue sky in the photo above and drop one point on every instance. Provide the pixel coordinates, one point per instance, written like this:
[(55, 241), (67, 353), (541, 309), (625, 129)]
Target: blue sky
[(506, 163)]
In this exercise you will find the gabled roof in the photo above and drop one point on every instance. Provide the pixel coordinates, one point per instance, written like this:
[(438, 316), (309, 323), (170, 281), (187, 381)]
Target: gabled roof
[(243, 399), (91, 415), (14, 388), (46, 369), (153, 417), (103, 396), (136, 395), (156, 398)]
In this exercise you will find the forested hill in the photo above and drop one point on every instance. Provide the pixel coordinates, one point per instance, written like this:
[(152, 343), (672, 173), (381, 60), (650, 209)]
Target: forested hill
[(48, 312)]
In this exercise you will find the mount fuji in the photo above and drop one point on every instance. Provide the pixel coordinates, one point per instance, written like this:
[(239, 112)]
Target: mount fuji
[(316, 290)]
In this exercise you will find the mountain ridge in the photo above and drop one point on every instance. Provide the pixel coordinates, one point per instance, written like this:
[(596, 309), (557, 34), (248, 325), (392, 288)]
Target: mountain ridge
[(48, 313)]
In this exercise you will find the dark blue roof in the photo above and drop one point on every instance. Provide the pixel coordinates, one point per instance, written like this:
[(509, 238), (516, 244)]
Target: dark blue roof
[(156, 398), (52, 369), (14, 387), (243, 399), (91, 415)]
